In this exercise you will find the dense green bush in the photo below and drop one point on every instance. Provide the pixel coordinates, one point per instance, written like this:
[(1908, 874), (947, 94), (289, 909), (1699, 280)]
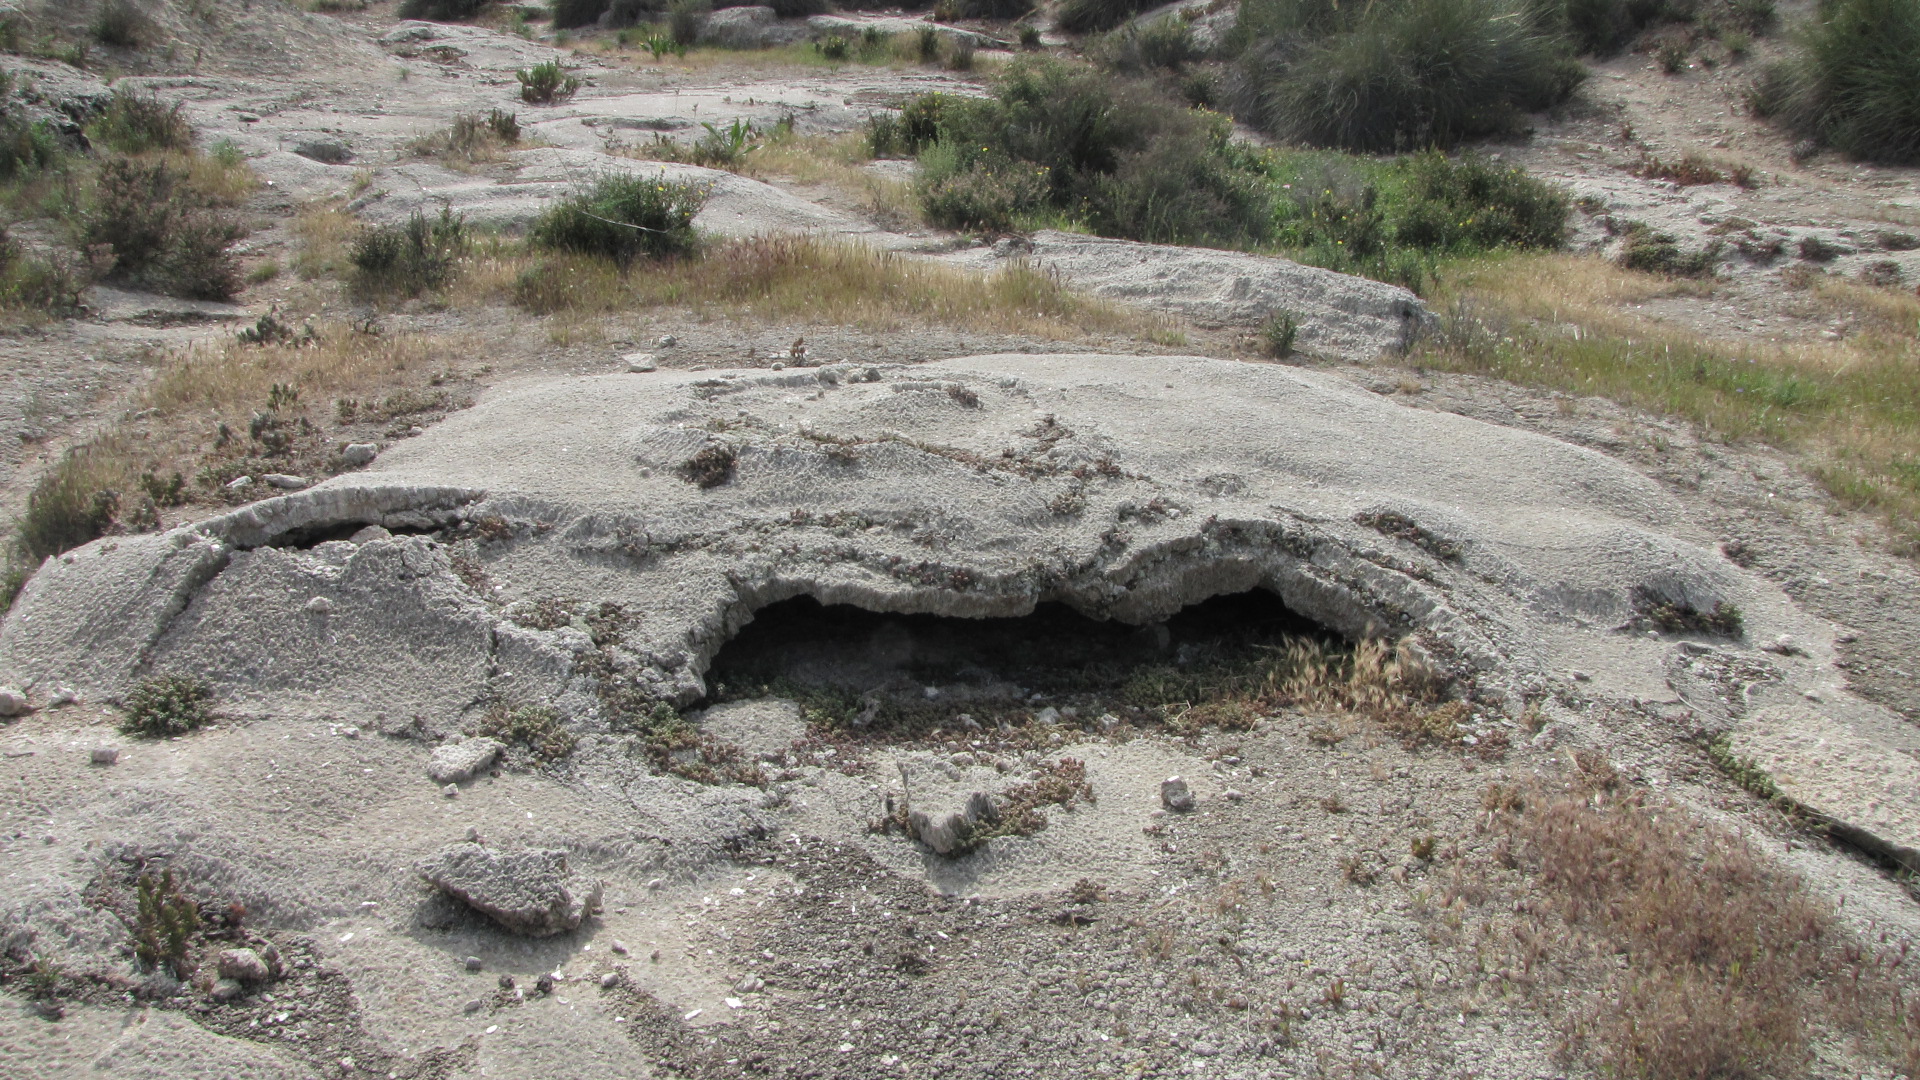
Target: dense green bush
[(70, 505), (410, 259), (167, 706), (27, 148), (1853, 82), (624, 218), (1397, 74), (1396, 220), (441, 10), (569, 14), (133, 124), (119, 24), (160, 234), (33, 283), (546, 84), (1116, 155), (1164, 43), (984, 197), (1092, 16)]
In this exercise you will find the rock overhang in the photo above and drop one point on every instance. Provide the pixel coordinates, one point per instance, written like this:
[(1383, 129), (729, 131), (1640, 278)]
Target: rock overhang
[(1125, 487)]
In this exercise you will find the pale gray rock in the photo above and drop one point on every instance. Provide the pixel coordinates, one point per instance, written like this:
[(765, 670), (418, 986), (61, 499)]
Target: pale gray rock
[(640, 362), (225, 990), (1338, 315), (529, 891), (285, 482), (749, 28), (1862, 782), (1175, 795), (104, 755), (13, 702), (457, 763), (948, 833), (354, 455), (243, 965)]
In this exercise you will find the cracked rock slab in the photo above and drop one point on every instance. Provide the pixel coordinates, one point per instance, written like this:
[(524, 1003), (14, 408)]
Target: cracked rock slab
[(1868, 791), (529, 891), (457, 763)]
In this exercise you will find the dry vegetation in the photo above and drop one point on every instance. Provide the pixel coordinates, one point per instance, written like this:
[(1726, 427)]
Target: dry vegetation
[(813, 280), (1564, 322), (1667, 946)]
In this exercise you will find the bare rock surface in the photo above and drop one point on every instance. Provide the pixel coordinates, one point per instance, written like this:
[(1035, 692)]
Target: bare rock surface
[(457, 763), (529, 891), (1337, 314)]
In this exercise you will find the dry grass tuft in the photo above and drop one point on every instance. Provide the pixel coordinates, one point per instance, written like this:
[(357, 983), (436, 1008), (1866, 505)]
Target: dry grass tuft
[(1702, 958), (818, 281), (1563, 322)]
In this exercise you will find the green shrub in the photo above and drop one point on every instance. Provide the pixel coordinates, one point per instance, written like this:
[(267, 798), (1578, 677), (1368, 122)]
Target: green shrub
[(1007, 10), (27, 148), (832, 47), (1660, 253), (120, 25), (569, 14), (160, 233), (70, 505), (410, 259), (1164, 43), (1278, 333), (1397, 74), (133, 124), (441, 10), (1115, 155), (32, 283), (164, 924), (167, 706), (538, 729), (1853, 81), (799, 9), (1474, 205), (624, 218), (1091, 16), (546, 84), (983, 197), (683, 20)]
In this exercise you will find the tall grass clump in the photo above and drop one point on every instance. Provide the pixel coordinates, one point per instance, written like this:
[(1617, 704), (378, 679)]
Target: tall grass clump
[(1397, 74), (133, 124), (407, 260), (1092, 16), (37, 285), (1853, 81), (624, 218), (158, 230), (1068, 143)]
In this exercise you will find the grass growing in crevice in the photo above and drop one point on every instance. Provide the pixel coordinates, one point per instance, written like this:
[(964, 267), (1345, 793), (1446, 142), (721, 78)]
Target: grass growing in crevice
[(534, 730), (1851, 408), (820, 281)]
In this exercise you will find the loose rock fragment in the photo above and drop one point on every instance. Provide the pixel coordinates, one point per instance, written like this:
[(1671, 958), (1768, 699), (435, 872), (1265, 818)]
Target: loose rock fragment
[(947, 834), (285, 482), (360, 453), (244, 965), (640, 362), (1175, 795), (105, 755), (457, 763), (12, 701), (225, 990), (529, 891)]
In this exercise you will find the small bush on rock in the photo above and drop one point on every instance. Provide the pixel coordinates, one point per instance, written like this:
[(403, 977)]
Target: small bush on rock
[(133, 124), (624, 218), (160, 233), (120, 24), (167, 706), (164, 924), (1398, 74), (546, 84), (1853, 82), (536, 728), (410, 259)]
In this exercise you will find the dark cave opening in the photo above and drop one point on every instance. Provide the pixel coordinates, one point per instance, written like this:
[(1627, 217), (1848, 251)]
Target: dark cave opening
[(847, 664)]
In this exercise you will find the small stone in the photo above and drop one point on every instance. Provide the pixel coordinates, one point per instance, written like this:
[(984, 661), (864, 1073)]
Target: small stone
[(351, 731), (543, 985), (667, 341), (1233, 795), (239, 482), (226, 990), (416, 430), (610, 980), (1048, 715), (369, 534), (640, 362), (529, 891), (244, 965), (285, 482), (1581, 676), (12, 701), (356, 454), (751, 984), (106, 755), (451, 791), (506, 982), (319, 605), (1175, 795), (778, 366), (619, 946), (474, 1006), (62, 695), (474, 963), (457, 763)]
